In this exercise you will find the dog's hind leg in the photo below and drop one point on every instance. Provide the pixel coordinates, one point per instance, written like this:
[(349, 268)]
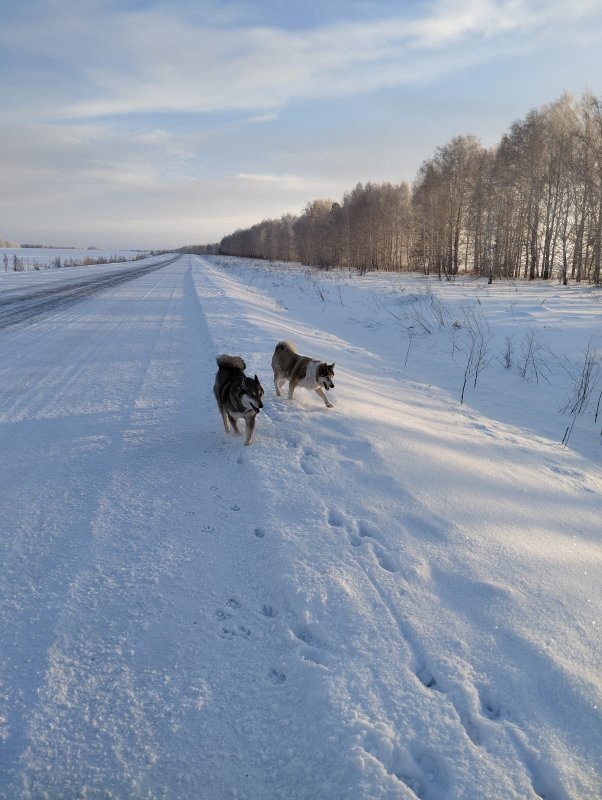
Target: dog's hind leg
[(222, 410), (291, 389), (250, 429)]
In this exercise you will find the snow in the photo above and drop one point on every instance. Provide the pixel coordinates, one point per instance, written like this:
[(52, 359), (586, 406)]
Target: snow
[(46, 256), (396, 598)]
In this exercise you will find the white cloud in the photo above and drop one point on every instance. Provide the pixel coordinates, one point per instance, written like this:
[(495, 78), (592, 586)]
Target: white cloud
[(154, 60), (293, 182), (268, 116)]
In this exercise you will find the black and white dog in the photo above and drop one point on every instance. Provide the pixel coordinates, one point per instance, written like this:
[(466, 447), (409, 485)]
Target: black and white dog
[(237, 395), (302, 371)]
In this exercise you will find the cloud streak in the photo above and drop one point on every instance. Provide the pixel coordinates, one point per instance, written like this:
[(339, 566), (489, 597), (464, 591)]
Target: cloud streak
[(153, 60)]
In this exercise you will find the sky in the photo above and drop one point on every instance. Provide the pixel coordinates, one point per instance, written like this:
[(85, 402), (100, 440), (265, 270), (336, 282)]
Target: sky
[(143, 124)]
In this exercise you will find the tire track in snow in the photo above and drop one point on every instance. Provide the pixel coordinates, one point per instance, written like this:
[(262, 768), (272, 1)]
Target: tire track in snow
[(60, 553), (143, 695), (128, 705), (85, 660), (19, 306)]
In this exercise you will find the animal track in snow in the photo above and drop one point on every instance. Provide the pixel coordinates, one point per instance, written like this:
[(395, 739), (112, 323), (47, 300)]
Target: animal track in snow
[(231, 629), (433, 770), (307, 466), (354, 539), (361, 530), (366, 530), (276, 677), (426, 677), (207, 528), (403, 767), (311, 647), (491, 708), (269, 611), (385, 561), (541, 784), (422, 772), (313, 656), (305, 635), (259, 532), (469, 721), (308, 460), (336, 518)]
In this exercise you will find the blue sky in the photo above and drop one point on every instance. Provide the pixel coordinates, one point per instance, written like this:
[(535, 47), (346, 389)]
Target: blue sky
[(129, 123)]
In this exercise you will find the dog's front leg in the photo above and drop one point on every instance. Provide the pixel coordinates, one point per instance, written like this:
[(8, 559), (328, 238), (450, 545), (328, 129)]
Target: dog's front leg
[(322, 394), (250, 425), (234, 424), (226, 423), (291, 389)]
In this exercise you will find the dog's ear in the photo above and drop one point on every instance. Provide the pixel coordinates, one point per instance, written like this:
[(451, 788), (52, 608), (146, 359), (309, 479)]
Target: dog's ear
[(257, 379), (332, 365)]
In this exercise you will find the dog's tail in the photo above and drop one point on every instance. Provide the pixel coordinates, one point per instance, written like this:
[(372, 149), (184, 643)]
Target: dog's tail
[(230, 362), (286, 346)]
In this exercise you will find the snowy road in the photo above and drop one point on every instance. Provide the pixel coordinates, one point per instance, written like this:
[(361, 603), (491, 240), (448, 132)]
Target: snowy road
[(394, 599), (22, 304)]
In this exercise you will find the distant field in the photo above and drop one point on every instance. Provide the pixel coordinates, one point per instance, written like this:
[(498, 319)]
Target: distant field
[(45, 256)]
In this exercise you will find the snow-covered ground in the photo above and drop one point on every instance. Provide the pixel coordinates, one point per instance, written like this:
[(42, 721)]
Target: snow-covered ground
[(46, 256), (396, 598)]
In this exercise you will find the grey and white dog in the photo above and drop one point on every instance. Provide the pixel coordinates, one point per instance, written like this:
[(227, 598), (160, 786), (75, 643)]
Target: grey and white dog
[(237, 395), (302, 371)]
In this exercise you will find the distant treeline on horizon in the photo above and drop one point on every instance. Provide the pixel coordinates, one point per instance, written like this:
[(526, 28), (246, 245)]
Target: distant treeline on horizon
[(530, 207), (26, 246), (199, 249), (55, 247)]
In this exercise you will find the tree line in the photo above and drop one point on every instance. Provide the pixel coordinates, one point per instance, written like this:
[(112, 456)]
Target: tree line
[(197, 249), (530, 207)]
